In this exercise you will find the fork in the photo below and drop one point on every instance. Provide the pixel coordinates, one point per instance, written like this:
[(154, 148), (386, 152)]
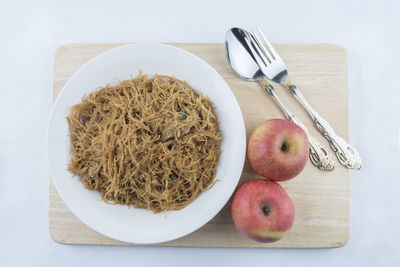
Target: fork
[(274, 68)]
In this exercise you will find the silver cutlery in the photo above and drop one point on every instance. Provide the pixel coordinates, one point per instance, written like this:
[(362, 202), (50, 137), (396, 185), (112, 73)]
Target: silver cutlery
[(274, 68), (243, 59)]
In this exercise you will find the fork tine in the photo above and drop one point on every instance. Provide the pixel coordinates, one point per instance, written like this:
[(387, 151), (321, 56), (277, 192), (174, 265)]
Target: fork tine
[(270, 47), (255, 51), (264, 51), (267, 59)]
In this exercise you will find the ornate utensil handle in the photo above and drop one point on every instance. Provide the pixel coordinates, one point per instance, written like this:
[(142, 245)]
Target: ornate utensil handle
[(346, 154), (319, 156)]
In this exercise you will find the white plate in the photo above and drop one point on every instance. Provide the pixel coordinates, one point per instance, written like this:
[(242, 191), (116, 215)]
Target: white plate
[(139, 225)]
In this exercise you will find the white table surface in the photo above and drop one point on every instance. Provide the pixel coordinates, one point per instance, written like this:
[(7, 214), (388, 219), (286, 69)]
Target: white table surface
[(30, 33)]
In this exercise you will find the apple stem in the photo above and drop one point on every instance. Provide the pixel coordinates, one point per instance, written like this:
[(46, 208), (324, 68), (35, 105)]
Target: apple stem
[(284, 147), (266, 210)]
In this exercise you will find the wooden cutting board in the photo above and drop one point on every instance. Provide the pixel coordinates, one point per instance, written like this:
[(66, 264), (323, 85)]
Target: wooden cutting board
[(321, 199)]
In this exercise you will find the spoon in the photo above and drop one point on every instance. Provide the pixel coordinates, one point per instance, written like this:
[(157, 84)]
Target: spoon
[(241, 57)]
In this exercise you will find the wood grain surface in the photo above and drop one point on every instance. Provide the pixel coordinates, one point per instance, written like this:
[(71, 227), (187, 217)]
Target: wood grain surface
[(321, 199)]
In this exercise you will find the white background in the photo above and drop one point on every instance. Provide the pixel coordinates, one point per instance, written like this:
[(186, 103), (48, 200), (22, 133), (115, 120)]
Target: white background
[(32, 30)]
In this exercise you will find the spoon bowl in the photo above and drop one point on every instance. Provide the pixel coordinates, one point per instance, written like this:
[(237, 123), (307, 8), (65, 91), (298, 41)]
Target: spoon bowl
[(240, 57)]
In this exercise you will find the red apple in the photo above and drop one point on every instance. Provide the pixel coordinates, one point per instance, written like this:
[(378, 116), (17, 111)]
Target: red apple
[(278, 149), (262, 210)]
